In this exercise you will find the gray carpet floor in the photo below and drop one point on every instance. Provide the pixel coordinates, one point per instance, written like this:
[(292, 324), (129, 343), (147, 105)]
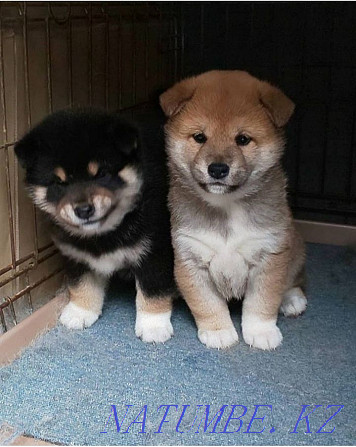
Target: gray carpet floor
[(63, 389)]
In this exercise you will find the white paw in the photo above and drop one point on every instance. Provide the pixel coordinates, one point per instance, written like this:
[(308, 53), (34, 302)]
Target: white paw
[(153, 328), (294, 302), (221, 339), (75, 317), (261, 334)]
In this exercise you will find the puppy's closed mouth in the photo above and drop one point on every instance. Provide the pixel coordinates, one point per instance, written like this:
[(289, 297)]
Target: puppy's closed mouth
[(218, 188), (90, 222), (86, 224)]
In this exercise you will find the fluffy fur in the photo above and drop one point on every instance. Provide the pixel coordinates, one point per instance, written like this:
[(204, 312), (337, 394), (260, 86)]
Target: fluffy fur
[(232, 230), (105, 194)]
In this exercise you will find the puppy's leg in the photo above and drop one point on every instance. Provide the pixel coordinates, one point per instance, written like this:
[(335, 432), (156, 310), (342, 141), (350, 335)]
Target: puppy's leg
[(153, 317), (209, 308), (86, 301), (294, 301), (263, 298), (155, 290)]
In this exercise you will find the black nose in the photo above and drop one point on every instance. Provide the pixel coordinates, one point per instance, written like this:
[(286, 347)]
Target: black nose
[(84, 211), (218, 170)]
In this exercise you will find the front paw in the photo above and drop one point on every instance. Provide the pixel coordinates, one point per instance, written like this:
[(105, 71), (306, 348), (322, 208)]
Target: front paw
[(154, 328), (75, 317), (261, 334), (220, 339)]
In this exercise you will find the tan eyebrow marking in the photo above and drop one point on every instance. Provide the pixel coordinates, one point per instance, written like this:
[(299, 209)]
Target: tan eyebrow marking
[(93, 168), (60, 173), (128, 174)]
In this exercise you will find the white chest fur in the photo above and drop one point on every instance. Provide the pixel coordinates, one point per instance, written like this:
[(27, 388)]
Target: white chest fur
[(107, 263), (229, 252)]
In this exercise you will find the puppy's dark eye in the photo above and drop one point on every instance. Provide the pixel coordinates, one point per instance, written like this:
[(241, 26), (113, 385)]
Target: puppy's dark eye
[(242, 140), (199, 137)]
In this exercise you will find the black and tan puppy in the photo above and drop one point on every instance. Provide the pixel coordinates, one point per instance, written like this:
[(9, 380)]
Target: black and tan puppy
[(233, 233), (106, 198)]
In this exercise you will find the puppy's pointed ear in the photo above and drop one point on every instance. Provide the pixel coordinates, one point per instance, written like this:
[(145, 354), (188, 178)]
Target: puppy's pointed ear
[(174, 99), (279, 107)]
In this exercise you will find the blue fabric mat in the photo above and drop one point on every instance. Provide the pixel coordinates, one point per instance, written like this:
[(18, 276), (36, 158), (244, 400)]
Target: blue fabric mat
[(62, 389)]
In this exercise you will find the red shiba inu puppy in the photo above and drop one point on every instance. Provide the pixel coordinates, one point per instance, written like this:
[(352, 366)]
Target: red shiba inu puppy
[(233, 233)]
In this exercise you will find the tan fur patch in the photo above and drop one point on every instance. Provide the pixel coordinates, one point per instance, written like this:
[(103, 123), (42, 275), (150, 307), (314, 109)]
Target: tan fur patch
[(100, 196), (93, 168), (88, 292), (128, 174), (265, 292), (151, 304), (61, 174)]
